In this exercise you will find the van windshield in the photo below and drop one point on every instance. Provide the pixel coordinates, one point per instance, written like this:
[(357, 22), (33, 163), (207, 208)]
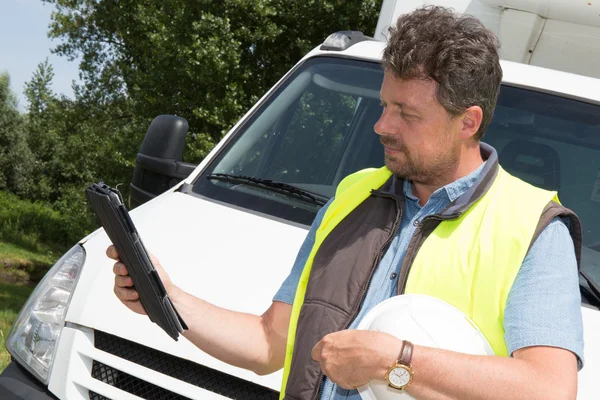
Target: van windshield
[(317, 128), (312, 132)]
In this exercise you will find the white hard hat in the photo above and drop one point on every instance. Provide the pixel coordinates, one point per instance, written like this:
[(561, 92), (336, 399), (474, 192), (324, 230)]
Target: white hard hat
[(422, 320)]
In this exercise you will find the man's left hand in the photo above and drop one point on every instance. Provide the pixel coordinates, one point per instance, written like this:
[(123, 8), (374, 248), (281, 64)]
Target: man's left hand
[(352, 358)]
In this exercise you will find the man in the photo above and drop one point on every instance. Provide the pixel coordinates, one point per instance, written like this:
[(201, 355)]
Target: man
[(445, 220)]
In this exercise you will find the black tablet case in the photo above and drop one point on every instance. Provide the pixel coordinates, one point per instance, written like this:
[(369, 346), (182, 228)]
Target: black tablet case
[(108, 205)]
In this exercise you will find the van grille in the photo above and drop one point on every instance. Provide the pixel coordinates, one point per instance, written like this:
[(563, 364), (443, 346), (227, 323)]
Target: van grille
[(184, 370), (129, 384)]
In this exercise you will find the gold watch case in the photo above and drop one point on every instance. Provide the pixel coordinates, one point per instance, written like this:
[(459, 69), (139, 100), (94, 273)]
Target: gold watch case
[(400, 369)]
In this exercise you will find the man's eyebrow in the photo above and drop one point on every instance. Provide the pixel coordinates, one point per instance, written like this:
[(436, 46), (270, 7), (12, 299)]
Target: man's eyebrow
[(400, 104)]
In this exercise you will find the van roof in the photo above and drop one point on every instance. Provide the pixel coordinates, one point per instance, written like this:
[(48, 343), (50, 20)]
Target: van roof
[(527, 76)]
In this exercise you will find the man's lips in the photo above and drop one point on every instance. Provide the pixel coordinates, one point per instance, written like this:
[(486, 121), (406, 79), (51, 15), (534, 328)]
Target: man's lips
[(391, 150)]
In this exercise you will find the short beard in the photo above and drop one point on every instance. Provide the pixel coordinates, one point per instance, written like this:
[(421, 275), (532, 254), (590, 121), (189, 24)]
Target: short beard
[(409, 166)]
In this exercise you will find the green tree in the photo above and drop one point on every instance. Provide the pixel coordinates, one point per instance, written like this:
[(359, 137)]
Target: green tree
[(206, 60), (74, 143), (38, 90), (42, 136), (16, 159)]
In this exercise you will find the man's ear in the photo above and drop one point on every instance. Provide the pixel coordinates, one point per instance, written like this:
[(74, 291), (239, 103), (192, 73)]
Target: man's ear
[(470, 121)]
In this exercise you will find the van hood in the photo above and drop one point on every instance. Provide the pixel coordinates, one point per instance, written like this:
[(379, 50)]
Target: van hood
[(228, 257)]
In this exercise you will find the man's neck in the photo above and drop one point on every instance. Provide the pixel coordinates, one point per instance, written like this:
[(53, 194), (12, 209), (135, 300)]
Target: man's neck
[(469, 160)]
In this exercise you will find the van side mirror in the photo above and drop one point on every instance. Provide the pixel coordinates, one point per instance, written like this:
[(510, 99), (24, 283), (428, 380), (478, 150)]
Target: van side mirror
[(159, 165)]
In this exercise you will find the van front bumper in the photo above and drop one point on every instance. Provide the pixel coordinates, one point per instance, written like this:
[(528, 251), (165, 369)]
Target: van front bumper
[(18, 384)]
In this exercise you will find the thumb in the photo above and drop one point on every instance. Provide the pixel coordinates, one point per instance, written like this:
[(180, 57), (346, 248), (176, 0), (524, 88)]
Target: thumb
[(316, 351)]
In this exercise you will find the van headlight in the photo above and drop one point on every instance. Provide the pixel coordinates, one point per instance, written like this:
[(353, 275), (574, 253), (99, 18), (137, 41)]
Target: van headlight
[(33, 337)]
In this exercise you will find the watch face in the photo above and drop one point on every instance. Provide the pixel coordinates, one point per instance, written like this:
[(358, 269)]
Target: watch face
[(399, 377)]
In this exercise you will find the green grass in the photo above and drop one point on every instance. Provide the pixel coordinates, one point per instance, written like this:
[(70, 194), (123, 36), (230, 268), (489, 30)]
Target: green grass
[(39, 227), (16, 254), (19, 265), (12, 298)]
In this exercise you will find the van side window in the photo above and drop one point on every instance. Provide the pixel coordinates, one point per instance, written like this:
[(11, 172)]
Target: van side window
[(554, 143)]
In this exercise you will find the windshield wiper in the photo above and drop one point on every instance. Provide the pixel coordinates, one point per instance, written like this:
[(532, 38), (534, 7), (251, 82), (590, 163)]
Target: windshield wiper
[(594, 289), (275, 186)]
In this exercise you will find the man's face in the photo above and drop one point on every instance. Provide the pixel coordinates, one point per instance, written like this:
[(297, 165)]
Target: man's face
[(419, 136)]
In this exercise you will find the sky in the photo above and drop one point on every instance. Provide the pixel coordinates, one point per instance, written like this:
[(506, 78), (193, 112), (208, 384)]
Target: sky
[(24, 43)]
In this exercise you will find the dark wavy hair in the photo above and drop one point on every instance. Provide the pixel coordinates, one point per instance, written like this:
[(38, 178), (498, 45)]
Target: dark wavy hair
[(454, 50)]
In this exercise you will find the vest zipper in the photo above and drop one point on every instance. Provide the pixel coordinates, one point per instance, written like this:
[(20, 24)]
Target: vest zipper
[(320, 387), (415, 244), (382, 250)]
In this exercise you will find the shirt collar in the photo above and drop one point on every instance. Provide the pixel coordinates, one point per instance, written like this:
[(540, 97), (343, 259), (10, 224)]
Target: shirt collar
[(468, 193), (451, 191)]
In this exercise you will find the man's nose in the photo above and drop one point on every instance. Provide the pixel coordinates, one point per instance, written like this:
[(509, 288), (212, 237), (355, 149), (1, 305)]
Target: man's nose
[(382, 127)]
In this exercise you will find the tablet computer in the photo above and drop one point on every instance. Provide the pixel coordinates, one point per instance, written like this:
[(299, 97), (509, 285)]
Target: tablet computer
[(108, 206)]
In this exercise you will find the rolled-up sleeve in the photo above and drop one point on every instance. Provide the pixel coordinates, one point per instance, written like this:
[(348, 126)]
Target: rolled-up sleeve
[(544, 305)]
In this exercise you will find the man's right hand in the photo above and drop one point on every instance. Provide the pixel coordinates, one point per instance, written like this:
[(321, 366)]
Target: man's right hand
[(124, 285)]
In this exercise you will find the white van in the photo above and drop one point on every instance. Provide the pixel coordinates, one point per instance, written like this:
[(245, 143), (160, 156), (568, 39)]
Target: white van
[(232, 241)]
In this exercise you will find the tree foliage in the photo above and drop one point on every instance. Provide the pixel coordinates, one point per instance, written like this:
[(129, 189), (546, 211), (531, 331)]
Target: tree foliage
[(15, 155), (205, 60), (38, 91)]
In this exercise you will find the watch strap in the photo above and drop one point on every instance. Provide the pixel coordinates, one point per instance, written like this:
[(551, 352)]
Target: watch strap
[(405, 357)]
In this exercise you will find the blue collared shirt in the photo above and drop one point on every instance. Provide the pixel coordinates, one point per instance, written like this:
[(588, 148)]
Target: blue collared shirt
[(543, 306)]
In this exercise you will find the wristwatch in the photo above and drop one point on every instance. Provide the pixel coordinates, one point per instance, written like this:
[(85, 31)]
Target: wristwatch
[(400, 374)]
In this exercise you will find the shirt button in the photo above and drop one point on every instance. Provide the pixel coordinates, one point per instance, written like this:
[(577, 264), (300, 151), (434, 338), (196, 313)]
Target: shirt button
[(393, 275)]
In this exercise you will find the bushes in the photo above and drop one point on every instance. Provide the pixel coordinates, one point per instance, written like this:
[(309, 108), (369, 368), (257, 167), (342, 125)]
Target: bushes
[(38, 227)]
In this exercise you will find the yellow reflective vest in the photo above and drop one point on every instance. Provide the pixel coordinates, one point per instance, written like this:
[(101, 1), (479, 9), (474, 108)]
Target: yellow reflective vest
[(457, 262)]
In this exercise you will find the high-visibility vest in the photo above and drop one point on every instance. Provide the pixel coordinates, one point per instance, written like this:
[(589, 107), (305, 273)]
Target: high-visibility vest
[(457, 262)]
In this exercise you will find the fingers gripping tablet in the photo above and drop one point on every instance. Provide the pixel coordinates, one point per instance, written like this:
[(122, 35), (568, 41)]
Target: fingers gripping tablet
[(114, 217)]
